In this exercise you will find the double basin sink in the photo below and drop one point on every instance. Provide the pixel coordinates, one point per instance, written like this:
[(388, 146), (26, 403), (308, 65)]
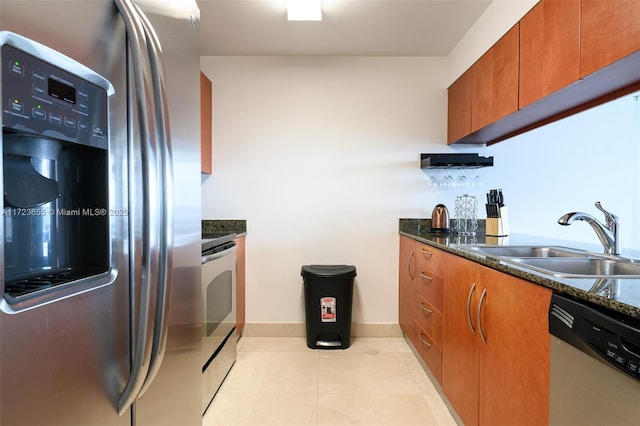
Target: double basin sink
[(561, 262)]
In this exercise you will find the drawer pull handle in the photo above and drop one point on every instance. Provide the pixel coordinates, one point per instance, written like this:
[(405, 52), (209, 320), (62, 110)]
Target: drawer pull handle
[(473, 288), (424, 308), (426, 277), (424, 342), (424, 252), (409, 264)]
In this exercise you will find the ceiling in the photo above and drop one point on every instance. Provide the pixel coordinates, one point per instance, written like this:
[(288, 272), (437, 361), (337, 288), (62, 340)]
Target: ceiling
[(348, 27)]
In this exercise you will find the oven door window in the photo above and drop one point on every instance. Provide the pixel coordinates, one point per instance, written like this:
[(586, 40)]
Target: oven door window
[(219, 301)]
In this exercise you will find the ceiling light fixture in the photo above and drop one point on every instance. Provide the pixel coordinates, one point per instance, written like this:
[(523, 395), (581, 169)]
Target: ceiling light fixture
[(304, 10)]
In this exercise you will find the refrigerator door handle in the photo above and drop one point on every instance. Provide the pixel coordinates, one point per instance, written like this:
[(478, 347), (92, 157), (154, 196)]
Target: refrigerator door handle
[(165, 168), (142, 336)]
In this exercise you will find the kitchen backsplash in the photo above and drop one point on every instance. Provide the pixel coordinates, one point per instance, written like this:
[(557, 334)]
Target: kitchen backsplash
[(424, 225)]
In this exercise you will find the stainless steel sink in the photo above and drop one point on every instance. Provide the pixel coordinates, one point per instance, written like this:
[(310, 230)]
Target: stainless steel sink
[(587, 267), (526, 251), (561, 262)]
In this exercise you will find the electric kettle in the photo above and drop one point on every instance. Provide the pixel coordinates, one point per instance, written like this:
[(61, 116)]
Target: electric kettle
[(440, 219)]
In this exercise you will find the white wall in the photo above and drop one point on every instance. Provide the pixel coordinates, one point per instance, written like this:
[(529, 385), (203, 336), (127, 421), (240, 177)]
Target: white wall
[(499, 17), (321, 156), (568, 166)]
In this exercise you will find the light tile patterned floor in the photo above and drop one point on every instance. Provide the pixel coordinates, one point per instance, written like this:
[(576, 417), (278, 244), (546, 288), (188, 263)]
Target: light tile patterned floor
[(279, 381)]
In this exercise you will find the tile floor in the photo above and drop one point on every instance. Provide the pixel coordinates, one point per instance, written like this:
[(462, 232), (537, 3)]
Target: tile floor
[(279, 381)]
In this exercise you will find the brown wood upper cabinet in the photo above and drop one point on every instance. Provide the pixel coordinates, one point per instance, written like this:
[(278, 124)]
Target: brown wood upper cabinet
[(570, 55), (459, 108), (610, 31), (206, 125), (549, 49), (486, 92), (494, 86)]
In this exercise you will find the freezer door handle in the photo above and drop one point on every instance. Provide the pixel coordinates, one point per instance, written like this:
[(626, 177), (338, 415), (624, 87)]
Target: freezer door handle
[(149, 258), (165, 208)]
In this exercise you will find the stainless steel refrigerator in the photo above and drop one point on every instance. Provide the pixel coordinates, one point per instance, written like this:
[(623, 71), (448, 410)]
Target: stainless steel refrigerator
[(100, 306)]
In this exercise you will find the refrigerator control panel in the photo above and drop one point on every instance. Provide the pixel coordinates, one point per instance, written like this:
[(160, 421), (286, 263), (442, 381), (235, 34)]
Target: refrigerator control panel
[(39, 97)]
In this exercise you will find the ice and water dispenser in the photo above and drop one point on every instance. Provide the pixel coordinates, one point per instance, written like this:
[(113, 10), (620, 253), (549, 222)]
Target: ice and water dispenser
[(55, 174)]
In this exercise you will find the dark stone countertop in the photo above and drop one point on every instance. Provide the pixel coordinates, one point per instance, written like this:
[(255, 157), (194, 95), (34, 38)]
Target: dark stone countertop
[(214, 228), (621, 295)]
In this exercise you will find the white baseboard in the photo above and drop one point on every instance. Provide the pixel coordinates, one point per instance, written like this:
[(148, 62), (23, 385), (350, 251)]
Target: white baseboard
[(298, 330), (376, 330)]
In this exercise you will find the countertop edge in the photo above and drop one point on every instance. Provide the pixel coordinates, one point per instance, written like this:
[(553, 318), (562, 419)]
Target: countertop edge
[(567, 286)]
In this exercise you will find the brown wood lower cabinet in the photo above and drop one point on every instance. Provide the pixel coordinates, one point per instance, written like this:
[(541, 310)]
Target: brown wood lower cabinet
[(429, 319), (430, 286), (407, 268), (429, 351), (461, 364), (420, 296), (427, 336), (483, 335), (495, 362), (240, 284)]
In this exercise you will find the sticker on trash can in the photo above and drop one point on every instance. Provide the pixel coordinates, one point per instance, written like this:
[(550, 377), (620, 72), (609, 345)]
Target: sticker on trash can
[(328, 309)]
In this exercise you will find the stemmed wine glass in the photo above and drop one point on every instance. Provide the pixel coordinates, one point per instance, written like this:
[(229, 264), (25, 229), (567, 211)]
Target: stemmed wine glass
[(433, 179), (462, 179), (448, 181), (477, 181)]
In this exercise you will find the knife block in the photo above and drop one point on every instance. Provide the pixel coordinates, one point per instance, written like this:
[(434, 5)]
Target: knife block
[(498, 226)]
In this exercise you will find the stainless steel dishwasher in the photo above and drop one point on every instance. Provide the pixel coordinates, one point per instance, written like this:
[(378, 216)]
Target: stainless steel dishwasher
[(595, 365)]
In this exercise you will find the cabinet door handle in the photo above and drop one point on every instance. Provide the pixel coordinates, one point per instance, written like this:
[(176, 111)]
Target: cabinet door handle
[(424, 308), (424, 342), (482, 336), (409, 264), (473, 288), (424, 252), (426, 277)]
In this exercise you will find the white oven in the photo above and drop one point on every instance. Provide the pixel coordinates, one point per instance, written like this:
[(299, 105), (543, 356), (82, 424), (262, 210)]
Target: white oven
[(219, 337)]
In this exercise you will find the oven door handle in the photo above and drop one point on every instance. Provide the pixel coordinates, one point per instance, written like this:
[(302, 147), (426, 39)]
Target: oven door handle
[(214, 256)]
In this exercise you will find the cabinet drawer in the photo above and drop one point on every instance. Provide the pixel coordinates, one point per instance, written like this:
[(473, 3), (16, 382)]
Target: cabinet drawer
[(429, 257), (429, 319), (429, 351), (429, 286)]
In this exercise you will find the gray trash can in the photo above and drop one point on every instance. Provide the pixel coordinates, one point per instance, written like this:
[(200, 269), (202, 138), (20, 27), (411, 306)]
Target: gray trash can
[(328, 299)]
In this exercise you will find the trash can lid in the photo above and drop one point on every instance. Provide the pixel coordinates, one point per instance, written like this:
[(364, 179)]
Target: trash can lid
[(329, 271)]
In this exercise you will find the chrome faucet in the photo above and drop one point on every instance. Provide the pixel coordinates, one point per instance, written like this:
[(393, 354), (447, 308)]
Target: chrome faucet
[(608, 234)]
